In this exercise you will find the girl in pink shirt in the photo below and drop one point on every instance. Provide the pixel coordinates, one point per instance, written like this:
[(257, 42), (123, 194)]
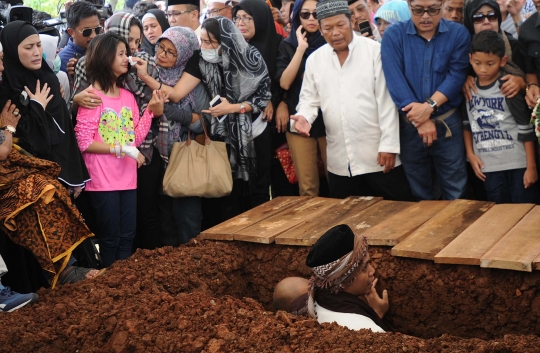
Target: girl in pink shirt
[(108, 138)]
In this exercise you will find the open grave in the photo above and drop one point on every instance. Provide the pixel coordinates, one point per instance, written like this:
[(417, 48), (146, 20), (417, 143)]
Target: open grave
[(216, 296)]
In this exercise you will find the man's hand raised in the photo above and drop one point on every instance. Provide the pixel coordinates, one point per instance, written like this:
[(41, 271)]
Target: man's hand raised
[(378, 304)]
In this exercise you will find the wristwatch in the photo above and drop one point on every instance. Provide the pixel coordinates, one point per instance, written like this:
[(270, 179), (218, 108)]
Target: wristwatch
[(242, 108), (432, 104), (9, 128)]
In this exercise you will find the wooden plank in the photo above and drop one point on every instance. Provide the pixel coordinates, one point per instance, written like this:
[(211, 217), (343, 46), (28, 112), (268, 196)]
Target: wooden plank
[(536, 263), (439, 231), (226, 230), (482, 235), (396, 228), (302, 233), (370, 217), (519, 248), (267, 230)]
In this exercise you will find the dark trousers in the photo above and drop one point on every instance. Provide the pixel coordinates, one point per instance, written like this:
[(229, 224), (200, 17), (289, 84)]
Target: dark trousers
[(219, 210), (149, 179), (390, 186), (507, 187), (180, 219), (116, 218)]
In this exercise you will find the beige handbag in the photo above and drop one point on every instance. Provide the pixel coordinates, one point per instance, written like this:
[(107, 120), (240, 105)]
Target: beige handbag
[(198, 170)]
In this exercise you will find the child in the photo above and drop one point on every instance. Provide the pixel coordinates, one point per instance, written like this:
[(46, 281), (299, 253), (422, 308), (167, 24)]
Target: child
[(499, 138), (108, 137)]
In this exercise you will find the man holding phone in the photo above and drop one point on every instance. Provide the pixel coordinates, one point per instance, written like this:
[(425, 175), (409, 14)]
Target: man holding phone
[(361, 121), (361, 19), (83, 25)]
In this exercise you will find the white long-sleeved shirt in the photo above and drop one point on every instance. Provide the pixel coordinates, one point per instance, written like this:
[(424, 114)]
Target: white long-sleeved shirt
[(350, 321), (360, 117)]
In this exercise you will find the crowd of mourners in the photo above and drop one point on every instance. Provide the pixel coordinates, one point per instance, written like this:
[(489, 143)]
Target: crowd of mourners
[(407, 100)]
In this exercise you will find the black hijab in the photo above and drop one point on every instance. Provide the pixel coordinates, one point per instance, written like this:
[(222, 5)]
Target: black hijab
[(50, 135), (315, 41), (266, 39), (472, 7), (164, 24)]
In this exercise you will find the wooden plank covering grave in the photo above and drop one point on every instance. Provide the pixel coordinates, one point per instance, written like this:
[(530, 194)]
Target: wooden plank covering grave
[(396, 228), (316, 227), (267, 230), (370, 217), (439, 231), (536, 263), (519, 248), (226, 230), (482, 235)]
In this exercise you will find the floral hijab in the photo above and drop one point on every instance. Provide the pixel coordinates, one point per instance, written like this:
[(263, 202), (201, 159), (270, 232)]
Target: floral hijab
[(242, 77)]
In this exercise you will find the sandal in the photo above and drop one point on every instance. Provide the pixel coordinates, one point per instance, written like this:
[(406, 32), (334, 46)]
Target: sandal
[(74, 274)]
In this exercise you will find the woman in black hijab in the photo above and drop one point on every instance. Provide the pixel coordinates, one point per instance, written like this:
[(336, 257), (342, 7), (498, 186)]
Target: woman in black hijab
[(45, 129), (154, 25), (476, 18), (255, 21)]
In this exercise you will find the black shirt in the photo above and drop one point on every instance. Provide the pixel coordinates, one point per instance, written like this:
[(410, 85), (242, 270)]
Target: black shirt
[(529, 39), (192, 66), (285, 54)]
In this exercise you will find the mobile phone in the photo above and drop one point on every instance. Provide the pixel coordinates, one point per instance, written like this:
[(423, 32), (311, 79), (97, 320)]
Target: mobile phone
[(365, 27), (77, 56), (217, 101)]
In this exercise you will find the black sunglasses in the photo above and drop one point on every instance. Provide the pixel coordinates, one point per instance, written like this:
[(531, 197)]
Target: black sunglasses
[(305, 15), (479, 18), (87, 32)]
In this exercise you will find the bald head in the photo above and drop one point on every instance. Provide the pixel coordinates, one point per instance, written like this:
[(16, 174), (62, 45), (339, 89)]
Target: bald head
[(287, 290)]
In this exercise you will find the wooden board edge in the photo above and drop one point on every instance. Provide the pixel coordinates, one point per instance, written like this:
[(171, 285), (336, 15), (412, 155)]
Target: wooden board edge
[(382, 242), (506, 265), (293, 241), (456, 261), (215, 236), (253, 239), (411, 254)]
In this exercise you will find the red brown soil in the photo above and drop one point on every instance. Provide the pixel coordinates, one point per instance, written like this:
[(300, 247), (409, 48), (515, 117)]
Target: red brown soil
[(216, 297)]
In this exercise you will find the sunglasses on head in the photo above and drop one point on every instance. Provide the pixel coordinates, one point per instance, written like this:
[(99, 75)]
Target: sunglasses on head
[(87, 32), (305, 15), (479, 17)]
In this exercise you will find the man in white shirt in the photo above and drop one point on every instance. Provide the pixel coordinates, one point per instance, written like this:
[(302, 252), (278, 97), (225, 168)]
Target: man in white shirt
[(184, 13), (344, 78)]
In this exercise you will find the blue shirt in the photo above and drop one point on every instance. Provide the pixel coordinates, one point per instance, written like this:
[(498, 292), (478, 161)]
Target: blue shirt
[(416, 68), (69, 52)]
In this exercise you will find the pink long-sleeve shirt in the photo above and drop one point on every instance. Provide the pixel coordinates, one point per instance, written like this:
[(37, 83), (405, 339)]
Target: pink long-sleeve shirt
[(116, 121)]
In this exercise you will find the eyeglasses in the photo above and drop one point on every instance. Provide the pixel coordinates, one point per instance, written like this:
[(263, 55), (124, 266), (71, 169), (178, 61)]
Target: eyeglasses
[(430, 11), (177, 13), (305, 15), (479, 17), (215, 12), (168, 54), (87, 32), (245, 20)]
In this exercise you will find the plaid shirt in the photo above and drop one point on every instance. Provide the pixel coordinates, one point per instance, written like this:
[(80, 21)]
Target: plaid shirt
[(132, 83)]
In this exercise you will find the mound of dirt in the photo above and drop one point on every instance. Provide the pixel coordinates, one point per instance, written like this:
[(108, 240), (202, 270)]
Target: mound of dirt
[(216, 297)]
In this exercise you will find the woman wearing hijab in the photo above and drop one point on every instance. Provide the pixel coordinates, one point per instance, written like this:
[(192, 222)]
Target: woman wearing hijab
[(390, 13), (293, 52), (181, 216), (254, 20), (236, 71), (154, 24), (482, 15), (45, 129)]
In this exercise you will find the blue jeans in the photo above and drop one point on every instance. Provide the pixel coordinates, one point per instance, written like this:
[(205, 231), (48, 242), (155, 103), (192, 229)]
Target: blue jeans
[(446, 155), (116, 220), (507, 187)]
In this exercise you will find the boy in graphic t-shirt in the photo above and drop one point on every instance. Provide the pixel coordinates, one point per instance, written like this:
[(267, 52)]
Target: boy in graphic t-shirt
[(499, 138)]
